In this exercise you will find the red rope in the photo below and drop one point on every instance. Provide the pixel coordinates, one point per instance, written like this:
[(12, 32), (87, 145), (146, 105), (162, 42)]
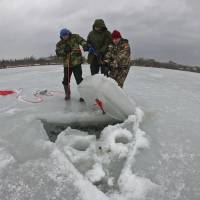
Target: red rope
[(38, 95), (6, 92), (68, 73), (22, 98)]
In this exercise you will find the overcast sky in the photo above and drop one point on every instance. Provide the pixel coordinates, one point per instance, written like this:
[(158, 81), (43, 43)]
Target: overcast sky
[(161, 29)]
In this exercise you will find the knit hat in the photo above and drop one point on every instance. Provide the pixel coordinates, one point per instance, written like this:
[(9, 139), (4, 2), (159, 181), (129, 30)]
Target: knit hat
[(116, 34), (64, 32)]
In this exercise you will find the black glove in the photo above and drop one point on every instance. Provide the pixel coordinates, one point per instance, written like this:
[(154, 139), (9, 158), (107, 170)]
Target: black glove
[(67, 48)]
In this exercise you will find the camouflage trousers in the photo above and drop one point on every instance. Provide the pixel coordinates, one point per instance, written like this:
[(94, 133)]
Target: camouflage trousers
[(119, 74)]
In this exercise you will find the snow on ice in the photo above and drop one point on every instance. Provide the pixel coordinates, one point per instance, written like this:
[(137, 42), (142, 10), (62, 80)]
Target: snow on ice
[(149, 155)]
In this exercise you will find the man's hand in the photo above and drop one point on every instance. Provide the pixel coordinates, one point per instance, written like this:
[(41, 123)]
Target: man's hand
[(91, 50)]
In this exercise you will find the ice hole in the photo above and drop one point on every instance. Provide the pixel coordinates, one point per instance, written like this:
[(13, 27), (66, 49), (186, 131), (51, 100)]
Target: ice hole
[(122, 139), (54, 129)]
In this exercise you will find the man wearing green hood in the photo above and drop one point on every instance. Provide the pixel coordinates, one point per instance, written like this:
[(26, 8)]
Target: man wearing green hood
[(99, 39)]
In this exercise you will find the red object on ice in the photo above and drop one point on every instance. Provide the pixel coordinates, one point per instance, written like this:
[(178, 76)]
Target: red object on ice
[(99, 104), (6, 92)]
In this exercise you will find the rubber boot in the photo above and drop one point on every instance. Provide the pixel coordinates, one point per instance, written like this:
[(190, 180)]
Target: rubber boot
[(67, 92)]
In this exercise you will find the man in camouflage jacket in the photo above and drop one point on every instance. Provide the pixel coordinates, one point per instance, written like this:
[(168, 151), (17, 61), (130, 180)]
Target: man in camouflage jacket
[(118, 58), (68, 49)]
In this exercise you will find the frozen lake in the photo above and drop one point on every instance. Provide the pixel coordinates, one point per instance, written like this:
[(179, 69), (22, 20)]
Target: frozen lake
[(157, 157)]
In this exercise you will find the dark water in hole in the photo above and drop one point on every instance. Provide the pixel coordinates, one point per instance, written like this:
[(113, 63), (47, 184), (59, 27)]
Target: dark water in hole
[(53, 130)]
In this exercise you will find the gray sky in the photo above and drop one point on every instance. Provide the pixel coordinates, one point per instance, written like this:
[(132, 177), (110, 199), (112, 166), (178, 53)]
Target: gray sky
[(164, 30)]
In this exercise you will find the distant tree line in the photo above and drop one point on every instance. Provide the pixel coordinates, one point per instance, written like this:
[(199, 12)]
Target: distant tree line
[(54, 60), (167, 65), (30, 61)]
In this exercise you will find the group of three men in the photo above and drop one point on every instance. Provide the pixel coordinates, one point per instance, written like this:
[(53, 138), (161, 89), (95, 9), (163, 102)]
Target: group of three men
[(107, 52)]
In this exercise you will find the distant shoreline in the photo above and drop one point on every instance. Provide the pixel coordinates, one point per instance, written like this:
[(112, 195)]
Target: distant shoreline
[(54, 60)]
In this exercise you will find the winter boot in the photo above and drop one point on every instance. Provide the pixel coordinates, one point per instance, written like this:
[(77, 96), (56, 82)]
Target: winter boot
[(67, 92)]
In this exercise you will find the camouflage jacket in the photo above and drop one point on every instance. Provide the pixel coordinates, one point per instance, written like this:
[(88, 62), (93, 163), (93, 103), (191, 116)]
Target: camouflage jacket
[(118, 56), (75, 56)]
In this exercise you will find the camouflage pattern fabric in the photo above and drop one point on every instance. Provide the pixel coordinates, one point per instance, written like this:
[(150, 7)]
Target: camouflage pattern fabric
[(118, 58), (73, 58), (119, 75)]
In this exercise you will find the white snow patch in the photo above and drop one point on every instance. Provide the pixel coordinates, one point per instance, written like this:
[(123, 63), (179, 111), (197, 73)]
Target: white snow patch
[(114, 140), (12, 111), (134, 187), (5, 158), (86, 190), (96, 173)]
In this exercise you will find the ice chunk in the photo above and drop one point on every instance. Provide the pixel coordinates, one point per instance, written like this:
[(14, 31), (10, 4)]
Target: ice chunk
[(115, 102), (135, 187), (113, 139), (96, 173)]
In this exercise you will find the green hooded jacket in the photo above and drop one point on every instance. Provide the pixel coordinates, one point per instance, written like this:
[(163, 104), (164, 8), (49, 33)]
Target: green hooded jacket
[(73, 58), (99, 39)]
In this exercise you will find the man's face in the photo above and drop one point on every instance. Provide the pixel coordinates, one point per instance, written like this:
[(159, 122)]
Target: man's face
[(65, 37), (98, 29), (116, 40)]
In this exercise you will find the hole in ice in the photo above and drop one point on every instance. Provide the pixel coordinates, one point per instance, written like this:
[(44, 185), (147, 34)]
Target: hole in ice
[(122, 139), (84, 158), (53, 130), (81, 145)]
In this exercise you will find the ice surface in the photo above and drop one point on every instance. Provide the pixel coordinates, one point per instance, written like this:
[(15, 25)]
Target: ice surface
[(153, 154)]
